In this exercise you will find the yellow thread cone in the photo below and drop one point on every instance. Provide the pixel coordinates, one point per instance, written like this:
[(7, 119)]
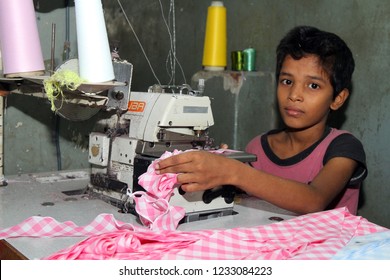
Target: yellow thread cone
[(214, 55)]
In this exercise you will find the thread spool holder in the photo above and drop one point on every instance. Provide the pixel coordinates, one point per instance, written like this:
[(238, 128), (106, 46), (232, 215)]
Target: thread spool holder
[(93, 95)]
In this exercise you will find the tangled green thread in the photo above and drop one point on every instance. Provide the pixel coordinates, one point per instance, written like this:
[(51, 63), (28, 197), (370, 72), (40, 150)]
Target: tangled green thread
[(59, 81)]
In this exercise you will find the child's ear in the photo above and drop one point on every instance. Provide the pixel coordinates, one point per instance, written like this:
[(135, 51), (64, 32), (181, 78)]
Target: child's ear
[(340, 99)]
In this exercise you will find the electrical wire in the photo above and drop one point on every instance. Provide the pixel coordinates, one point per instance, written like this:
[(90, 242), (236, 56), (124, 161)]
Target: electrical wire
[(169, 61), (172, 39), (171, 58), (139, 42)]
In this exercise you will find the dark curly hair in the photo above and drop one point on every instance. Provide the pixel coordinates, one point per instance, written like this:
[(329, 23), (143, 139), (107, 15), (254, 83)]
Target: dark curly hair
[(334, 55)]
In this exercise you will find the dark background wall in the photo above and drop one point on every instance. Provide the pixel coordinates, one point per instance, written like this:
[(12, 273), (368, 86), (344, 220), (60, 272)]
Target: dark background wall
[(259, 24)]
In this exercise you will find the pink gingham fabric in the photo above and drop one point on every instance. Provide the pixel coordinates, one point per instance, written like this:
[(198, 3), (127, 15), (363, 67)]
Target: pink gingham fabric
[(314, 236), (157, 213), (124, 244), (153, 206), (159, 185), (37, 226)]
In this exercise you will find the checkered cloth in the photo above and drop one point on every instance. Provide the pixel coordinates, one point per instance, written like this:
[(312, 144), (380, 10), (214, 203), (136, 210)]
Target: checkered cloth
[(153, 205), (37, 226), (156, 213), (314, 236), (159, 185)]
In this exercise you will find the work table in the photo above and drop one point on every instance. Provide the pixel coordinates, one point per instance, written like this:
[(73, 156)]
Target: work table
[(42, 194)]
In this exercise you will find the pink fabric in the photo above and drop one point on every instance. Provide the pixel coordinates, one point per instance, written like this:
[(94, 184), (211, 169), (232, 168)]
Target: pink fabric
[(156, 213), (124, 244), (37, 226), (314, 236), (153, 205), (159, 185)]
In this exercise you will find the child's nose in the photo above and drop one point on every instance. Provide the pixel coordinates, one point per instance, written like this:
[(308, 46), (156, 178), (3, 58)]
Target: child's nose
[(295, 93)]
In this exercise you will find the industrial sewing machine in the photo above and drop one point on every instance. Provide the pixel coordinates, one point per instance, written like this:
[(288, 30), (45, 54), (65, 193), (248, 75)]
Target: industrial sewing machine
[(166, 118)]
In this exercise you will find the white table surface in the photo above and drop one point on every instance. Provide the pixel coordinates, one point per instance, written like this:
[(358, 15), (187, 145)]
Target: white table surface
[(27, 194)]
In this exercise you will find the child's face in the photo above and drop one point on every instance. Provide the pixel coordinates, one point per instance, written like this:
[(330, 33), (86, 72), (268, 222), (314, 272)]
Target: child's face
[(304, 92)]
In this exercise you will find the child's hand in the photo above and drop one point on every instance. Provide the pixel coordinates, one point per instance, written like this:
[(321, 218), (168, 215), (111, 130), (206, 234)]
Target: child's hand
[(198, 170), (223, 146)]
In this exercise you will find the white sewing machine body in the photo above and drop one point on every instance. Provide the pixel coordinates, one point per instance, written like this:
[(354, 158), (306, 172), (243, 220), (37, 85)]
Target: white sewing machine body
[(156, 122), (165, 118)]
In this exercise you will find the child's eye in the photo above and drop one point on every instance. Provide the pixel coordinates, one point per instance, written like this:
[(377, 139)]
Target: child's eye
[(314, 86), (286, 82)]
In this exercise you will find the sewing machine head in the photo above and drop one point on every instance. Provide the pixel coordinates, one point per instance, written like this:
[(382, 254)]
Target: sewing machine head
[(166, 121)]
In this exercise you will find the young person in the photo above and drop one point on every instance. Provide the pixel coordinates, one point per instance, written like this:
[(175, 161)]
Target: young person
[(306, 166)]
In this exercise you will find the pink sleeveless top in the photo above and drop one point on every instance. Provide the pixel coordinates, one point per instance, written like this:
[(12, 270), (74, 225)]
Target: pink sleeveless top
[(307, 169)]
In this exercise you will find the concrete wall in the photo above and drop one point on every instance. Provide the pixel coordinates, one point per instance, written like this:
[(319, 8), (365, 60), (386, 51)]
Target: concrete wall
[(259, 24)]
